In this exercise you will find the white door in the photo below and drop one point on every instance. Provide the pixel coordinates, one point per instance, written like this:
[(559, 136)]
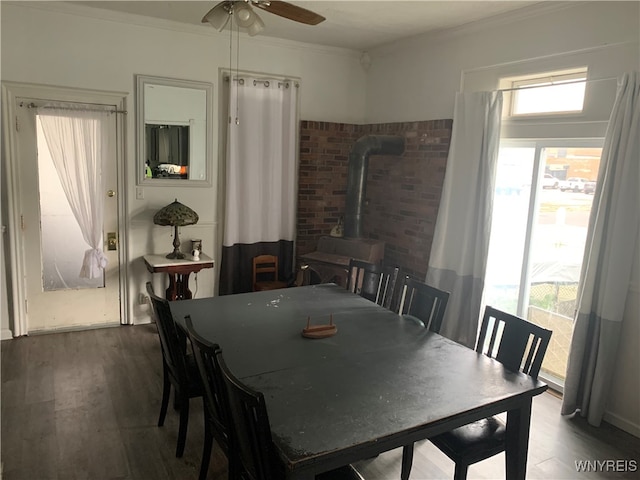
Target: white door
[(56, 297)]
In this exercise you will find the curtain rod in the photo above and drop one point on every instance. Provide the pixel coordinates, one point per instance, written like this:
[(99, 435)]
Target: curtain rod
[(266, 83), (83, 109), (555, 84)]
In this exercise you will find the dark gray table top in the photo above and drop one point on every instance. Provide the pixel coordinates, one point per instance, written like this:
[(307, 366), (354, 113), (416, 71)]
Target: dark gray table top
[(381, 382)]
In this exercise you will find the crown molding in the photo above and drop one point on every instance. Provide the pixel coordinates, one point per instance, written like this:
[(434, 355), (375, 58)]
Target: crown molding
[(496, 21), (69, 8)]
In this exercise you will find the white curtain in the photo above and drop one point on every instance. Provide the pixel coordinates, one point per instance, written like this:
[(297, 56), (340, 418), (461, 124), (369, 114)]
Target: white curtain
[(77, 141), (461, 239), (261, 174), (607, 264)]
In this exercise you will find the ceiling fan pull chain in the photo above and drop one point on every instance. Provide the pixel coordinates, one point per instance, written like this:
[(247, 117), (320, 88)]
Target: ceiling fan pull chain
[(237, 71), (231, 90)]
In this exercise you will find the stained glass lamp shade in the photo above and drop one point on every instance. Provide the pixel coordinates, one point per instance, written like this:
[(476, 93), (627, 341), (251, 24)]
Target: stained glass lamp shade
[(177, 215)]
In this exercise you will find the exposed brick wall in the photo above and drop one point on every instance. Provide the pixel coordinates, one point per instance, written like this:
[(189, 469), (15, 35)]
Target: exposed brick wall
[(403, 192)]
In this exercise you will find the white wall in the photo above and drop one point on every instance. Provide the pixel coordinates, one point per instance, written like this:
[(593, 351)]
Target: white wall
[(417, 79), (62, 45)]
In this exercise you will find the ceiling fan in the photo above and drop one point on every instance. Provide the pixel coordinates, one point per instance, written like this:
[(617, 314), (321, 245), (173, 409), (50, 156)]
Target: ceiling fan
[(243, 13)]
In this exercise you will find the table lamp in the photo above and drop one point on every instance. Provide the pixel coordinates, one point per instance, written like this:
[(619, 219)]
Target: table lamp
[(177, 215)]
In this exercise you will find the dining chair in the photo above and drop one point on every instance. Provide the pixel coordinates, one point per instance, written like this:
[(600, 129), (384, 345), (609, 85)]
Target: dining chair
[(215, 416), (424, 302), (250, 434), (178, 368), (266, 266), (520, 346), (372, 281)]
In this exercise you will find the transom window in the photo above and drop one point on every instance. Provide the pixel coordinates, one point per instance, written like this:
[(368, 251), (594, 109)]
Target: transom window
[(547, 93)]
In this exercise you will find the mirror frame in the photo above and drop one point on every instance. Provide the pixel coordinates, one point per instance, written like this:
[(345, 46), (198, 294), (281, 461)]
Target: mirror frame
[(141, 82)]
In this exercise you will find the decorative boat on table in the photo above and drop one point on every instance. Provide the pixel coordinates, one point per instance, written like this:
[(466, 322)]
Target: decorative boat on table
[(319, 331)]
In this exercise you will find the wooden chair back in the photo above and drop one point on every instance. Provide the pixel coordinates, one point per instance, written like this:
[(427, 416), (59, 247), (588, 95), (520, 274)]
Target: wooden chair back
[(516, 343), (372, 281), (172, 339), (265, 273), (265, 264), (212, 382), (424, 302), (251, 442)]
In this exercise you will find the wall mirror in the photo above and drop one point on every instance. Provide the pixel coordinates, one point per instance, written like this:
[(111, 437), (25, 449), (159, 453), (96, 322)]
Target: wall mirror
[(173, 126)]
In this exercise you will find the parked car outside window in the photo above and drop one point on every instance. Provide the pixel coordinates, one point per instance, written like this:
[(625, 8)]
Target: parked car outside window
[(549, 181), (590, 187), (575, 184)]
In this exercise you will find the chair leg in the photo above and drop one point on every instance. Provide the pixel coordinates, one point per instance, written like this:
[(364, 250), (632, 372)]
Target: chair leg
[(166, 391), (460, 472), (184, 421), (206, 450), (234, 468), (407, 461)]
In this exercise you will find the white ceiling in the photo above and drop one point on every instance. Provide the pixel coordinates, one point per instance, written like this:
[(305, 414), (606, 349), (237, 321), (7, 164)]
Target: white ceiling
[(358, 25)]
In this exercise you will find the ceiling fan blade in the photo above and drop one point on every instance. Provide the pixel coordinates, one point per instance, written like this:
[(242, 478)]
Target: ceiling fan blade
[(290, 11)]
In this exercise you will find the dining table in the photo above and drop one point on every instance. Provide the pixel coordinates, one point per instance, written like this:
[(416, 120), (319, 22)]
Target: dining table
[(382, 381)]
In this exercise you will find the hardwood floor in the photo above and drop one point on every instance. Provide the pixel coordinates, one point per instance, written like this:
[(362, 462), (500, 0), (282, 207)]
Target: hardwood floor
[(84, 405)]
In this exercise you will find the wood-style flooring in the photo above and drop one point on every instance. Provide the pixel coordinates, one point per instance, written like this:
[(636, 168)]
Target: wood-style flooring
[(84, 405)]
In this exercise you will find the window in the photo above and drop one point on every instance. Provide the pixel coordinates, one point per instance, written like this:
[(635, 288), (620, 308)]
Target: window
[(542, 202), (545, 93)]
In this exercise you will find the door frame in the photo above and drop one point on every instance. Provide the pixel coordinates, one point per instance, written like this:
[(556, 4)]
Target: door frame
[(539, 144), (11, 91)]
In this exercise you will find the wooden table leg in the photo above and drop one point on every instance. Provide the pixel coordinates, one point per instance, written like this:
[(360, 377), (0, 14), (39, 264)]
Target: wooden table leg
[(183, 290), (407, 460), (172, 292), (517, 441)]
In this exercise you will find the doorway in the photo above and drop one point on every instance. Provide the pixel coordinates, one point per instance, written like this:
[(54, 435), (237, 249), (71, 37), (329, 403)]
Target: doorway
[(47, 240), (542, 202)]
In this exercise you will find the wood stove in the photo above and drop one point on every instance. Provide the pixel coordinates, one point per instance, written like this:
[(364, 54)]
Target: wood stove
[(330, 261)]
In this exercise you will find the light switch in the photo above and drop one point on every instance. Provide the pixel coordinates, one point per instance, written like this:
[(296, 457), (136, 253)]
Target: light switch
[(139, 193)]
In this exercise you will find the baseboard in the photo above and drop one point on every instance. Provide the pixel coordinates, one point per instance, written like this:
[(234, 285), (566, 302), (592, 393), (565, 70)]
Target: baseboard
[(622, 423), (73, 328), (6, 334), (144, 321)]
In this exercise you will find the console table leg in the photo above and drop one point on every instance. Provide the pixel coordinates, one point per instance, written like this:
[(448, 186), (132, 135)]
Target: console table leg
[(183, 289), (172, 292)]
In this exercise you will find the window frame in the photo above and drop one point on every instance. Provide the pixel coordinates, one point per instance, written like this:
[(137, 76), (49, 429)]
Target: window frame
[(539, 144), (514, 85)]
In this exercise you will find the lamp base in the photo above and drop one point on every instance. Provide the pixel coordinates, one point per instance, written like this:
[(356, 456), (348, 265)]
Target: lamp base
[(176, 246)]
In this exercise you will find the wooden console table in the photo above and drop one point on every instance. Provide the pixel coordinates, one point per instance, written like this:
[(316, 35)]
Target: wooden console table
[(178, 271)]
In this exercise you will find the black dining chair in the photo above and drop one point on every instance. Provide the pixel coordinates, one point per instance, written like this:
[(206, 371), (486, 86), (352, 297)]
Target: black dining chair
[(372, 281), (215, 416), (251, 445), (520, 346), (424, 302), (178, 368)]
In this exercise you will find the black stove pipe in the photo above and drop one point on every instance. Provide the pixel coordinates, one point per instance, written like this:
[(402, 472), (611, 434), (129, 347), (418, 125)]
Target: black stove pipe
[(357, 176)]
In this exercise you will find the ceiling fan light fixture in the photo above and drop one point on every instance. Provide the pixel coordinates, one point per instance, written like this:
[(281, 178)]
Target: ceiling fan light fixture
[(244, 15), (218, 17), (256, 27)]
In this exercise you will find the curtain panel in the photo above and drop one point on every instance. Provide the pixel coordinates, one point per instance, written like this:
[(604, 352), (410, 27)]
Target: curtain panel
[(461, 239), (261, 179), (77, 142), (607, 265)]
